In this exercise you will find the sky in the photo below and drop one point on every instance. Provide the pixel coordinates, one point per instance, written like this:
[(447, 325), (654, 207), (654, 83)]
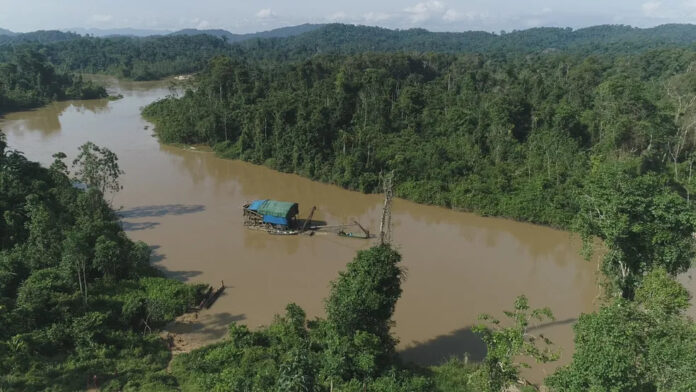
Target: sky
[(251, 16)]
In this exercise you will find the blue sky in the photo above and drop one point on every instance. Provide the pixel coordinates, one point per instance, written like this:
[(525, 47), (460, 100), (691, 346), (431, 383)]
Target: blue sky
[(248, 16)]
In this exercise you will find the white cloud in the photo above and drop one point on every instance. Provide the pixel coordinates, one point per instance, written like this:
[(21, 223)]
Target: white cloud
[(99, 18), (372, 17), (651, 8), (533, 22), (425, 10), (265, 13), (200, 23), (452, 16), (336, 16)]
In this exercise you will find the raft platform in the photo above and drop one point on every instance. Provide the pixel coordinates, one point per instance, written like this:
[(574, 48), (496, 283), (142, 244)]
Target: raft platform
[(280, 218)]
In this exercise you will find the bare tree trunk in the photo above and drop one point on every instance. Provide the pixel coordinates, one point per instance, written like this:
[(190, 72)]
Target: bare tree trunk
[(79, 278), (84, 277)]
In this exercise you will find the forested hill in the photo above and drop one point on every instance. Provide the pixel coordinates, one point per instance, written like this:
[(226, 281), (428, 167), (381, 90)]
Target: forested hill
[(28, 80), (512, 137), (36, 37), (600, 140), (128, 57), (275, 33), (159, 56), (348, 39)]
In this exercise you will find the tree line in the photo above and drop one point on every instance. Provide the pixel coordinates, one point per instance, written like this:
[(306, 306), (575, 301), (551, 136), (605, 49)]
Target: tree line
[(598, 142), (601, 145), (80, 306), (29, 80), (155, 57)]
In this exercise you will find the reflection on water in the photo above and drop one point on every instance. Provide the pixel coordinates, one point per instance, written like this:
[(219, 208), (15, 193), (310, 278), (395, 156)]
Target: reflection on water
[(46, 121), (187, 205)]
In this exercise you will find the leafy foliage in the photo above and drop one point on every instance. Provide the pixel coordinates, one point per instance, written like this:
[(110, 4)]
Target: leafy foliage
[(642, 222), (76, 294), (97, 167), (646, 345), (506, 343), (28, 80), (154, 57), (352, 350), (589, 129)]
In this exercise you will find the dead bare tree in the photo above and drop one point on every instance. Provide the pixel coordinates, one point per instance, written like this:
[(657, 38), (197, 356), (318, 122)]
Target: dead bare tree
[(681, 92), (385, 227)]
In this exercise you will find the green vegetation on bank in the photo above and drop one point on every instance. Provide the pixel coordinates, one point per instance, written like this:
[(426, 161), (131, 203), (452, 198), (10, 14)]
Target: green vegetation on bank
[(647, 345), (80, 304), (603, 145), (510, 137), (353, 348), (643, 345), (28, 80), (148, 58), (76, 295), (599, 139)]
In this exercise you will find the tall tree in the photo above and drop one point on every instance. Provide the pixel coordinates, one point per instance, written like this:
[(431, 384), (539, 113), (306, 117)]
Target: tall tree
[(644, 346), (642, 222), (97, 167), (507, 342), (359, 311)]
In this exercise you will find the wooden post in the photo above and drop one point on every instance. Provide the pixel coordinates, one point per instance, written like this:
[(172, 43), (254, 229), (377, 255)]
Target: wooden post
[(309, 219)]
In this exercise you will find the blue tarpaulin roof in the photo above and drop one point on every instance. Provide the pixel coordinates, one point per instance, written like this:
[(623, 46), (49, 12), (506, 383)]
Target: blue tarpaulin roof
[(254, 206), (275, 220), (280, 209)]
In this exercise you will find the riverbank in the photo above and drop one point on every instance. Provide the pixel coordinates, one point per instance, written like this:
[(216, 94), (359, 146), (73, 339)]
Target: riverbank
[(187, 205)]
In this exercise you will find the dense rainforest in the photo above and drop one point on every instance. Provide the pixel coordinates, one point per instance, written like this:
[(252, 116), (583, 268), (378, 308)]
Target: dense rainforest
[(601, 144), (507, 137), (76, 295), (186, 51), (590, 130), (28, 80), (80, 307)]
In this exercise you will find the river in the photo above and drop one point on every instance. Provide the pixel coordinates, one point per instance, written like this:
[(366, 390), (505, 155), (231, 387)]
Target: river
[(187, 203)]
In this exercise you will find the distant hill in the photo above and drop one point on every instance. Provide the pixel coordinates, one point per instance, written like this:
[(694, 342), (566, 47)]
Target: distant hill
[(347, 39), (41, 37), (186, 51), (282, 32), (300, 41), (124, 32)]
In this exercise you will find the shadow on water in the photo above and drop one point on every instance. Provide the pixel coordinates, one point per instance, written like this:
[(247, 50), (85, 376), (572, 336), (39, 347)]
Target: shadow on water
[(137, 226), (455, 344), (154, 211), (458, 344), (552, 324), (155, 256), (180, 275)]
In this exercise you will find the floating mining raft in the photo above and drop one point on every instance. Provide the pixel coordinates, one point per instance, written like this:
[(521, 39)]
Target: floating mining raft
[(280, 218)]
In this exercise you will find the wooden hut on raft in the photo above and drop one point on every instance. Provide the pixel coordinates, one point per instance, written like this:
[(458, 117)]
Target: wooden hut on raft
[(271, 215)]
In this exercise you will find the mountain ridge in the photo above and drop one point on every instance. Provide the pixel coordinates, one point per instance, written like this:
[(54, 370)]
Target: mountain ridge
[(281, 32)]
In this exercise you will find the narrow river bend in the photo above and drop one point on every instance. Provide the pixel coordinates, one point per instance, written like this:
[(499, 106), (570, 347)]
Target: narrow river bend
[(187, 205)]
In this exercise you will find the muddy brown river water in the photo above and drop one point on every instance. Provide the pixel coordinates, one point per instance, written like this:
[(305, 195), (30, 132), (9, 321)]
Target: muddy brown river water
[(187, 205)]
